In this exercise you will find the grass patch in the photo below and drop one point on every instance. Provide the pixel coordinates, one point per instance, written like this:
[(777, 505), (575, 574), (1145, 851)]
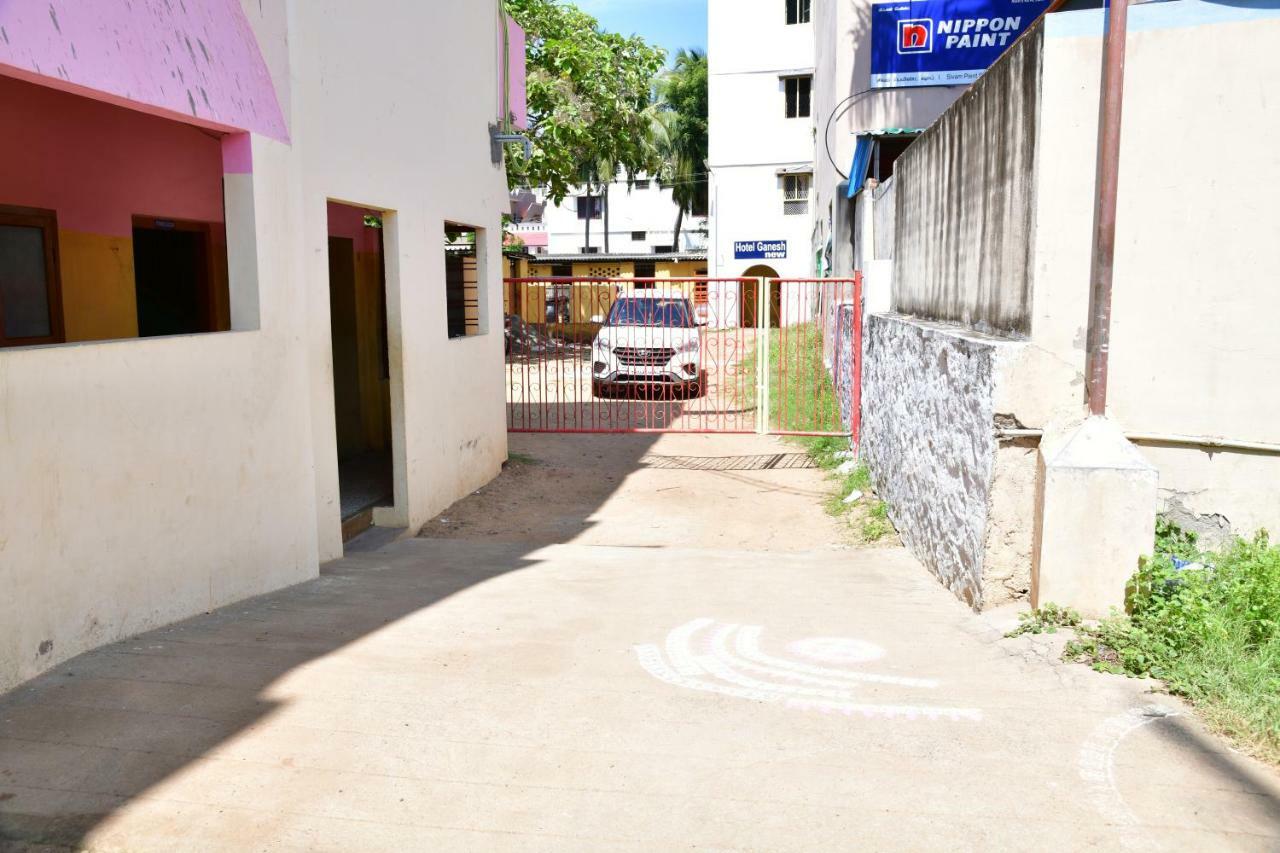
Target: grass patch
[(521, 459), (868, 516), (802, 397), (1207, 624)]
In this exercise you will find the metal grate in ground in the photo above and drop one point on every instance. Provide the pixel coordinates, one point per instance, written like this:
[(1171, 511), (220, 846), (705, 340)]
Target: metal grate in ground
[(763, 462)]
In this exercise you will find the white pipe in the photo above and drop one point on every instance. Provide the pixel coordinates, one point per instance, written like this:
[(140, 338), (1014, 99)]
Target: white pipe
[(1161, 438)]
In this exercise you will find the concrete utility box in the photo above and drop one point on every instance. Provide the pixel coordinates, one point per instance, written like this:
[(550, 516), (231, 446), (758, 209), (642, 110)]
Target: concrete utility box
[(1096, 514)]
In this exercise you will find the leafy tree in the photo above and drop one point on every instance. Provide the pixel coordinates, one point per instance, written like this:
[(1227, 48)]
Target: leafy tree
[(682, 133), (590, 96)]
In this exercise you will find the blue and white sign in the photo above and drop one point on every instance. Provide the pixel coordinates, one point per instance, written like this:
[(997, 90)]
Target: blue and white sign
[(745, 250), (943, 42)]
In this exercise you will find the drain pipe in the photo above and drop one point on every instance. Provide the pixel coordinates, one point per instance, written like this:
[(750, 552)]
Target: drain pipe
[(1104, 230), (1203, 442)]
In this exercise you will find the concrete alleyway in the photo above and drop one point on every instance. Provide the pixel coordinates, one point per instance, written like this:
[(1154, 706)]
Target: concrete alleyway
[(611, 651)]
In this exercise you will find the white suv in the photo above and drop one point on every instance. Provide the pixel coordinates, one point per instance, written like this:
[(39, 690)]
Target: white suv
[(647, 341)]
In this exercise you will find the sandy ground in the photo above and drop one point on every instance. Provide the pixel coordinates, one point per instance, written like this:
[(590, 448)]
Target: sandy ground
[(614, 655), (693, 491)]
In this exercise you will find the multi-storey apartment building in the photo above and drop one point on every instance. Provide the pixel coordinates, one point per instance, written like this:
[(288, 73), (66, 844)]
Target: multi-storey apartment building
[(761, 75)]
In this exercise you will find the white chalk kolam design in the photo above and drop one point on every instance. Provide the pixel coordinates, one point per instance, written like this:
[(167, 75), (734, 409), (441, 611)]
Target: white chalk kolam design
[(727, 659), (1098, 772)]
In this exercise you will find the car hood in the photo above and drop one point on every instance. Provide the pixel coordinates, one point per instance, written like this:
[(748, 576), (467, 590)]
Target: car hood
[(645, 336)]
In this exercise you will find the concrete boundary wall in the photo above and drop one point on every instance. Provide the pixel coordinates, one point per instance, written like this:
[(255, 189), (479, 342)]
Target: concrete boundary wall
[(965, 203)]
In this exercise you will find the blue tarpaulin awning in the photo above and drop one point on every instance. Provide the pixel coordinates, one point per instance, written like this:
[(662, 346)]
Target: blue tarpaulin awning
[(861, 164)]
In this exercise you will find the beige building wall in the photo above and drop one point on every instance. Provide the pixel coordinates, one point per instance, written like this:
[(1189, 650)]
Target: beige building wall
[(1194, 350), (144, 481)]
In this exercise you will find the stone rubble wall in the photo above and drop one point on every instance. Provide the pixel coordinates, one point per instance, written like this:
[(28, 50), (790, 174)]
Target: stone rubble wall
[(929, 409)]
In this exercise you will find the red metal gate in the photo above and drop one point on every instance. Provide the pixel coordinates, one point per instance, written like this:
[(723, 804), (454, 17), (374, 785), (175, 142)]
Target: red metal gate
[(741, 355)]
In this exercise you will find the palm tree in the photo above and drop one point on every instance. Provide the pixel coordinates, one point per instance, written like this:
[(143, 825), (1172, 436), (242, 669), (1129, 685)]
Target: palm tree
[(680, 131)]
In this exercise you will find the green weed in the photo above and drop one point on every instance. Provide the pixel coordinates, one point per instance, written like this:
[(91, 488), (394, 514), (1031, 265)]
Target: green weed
[(1046, 620), (1209, 630), (521, 459), (802, 396)]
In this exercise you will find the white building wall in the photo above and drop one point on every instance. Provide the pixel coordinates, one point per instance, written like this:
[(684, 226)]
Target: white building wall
[(144, 481), (650, 209), (751, 49)]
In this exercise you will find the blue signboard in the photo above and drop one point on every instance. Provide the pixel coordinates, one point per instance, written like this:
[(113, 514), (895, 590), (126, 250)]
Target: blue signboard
[(744, 250), (943, 42)]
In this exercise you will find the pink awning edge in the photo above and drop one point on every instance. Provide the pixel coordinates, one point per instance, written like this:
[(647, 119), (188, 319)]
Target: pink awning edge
[(517, 91), (197, 61)]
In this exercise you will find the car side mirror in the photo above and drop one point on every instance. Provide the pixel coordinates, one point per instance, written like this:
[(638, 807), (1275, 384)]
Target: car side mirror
[(597, 318)]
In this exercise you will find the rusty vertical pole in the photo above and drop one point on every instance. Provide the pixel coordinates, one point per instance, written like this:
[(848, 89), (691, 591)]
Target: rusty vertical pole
[(1104, 226)]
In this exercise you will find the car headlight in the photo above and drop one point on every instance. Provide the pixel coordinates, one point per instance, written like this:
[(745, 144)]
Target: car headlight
[(603, 347)]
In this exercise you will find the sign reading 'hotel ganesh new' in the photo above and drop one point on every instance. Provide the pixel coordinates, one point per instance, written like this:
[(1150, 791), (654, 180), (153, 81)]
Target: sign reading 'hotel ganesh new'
[(943, 42), (744, 250)]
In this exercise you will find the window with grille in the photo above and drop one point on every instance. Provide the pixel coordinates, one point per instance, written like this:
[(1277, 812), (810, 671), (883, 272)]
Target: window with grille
[(639, 236), (795, 194), (799, 91), (590, 207), (462, 279), (799, 11), (562, 270), (646, 269)]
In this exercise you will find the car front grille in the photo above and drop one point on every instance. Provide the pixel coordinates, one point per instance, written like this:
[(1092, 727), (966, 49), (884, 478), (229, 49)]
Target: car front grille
[(644, 356)]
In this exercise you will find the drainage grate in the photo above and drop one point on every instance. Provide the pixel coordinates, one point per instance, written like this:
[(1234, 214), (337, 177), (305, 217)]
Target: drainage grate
[(765, 462)]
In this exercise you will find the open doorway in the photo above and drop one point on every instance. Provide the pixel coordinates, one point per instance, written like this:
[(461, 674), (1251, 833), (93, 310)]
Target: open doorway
[(361, 366), (749, 302), (179, 284)]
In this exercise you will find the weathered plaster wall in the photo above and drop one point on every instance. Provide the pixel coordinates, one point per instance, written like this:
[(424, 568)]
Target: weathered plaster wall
[(928, 434), (143, 481), (965, 203), (1193, 331)]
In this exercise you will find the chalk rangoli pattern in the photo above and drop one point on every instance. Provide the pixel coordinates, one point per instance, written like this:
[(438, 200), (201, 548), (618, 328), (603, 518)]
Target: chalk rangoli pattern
[(727, 659)]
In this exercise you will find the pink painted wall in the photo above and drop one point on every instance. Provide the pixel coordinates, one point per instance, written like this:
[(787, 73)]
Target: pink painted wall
[(193, 59), (348, 221), (98, 165), (518, 98)]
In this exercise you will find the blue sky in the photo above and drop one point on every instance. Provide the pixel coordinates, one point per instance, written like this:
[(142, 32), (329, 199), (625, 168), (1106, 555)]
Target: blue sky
[(668, 23)]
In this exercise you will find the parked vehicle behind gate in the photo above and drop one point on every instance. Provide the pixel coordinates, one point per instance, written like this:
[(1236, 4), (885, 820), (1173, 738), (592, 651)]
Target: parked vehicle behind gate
[(648, 341)]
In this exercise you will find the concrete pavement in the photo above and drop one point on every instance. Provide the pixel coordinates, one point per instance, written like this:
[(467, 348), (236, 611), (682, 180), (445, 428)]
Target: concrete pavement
[(587, 687)]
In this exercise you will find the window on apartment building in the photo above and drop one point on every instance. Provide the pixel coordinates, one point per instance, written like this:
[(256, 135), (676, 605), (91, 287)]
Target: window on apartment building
[(663, 250), (639, 236), (642, 184), (795, 194), (30, 289), (646, 269), (799, 11), (799, 92), (462, 252), (589, 250), (590, 207)]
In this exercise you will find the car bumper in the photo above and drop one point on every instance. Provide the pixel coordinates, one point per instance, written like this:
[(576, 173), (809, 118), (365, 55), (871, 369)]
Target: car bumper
[(681, 369)]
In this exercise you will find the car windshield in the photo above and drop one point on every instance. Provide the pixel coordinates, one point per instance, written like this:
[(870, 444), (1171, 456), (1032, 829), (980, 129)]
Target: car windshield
[(665, 313)]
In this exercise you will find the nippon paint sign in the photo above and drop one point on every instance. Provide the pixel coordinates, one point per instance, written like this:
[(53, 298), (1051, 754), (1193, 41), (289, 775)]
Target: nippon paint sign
[(943, 42), (745, 250)]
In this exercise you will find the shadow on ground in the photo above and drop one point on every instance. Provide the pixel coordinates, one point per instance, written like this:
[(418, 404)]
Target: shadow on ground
[(98, 732)]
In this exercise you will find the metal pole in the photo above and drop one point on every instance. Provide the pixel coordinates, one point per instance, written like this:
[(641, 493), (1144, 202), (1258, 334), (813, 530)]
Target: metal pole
[(762, 347), (1104, 227)]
